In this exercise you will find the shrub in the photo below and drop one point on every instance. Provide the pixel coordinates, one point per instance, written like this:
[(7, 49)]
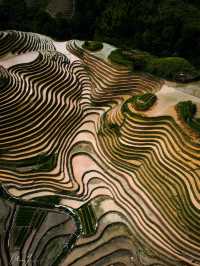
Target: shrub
[(92, 46), (119, 57), (140, 102), (187, 110), (170, 67), (144, 101), (139, 59), (166, 67)]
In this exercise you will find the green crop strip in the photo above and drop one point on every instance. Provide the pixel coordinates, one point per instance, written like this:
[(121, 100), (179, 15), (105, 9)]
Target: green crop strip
[(42, 162), (88, 220)]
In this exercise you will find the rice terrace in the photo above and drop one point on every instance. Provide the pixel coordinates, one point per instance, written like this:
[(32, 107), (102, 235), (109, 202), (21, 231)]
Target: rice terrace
[(99, 163)]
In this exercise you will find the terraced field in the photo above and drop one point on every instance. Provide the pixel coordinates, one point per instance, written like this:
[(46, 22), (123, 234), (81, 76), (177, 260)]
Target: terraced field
[(82, 134), (33, 234)]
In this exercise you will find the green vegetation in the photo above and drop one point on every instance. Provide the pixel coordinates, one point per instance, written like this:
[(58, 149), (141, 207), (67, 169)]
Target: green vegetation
[(187, 111), (115, 128), (163, 28), (117, 56), (139, 58), (144, 102), (163, 67), (3, 82), (42, 162), (21, 236), (25, 221), (27, 218), (35, 19), (88, 220), (92, 46), (195, 125), (49, 200), (140, 102), (46, 162), (170, 67), (24, 216)]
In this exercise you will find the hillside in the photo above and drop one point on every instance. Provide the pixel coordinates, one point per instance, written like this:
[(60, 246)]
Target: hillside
[(110, 144)]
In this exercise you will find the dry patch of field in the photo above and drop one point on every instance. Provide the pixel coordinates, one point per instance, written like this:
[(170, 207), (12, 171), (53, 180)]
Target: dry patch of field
[(11, 60)]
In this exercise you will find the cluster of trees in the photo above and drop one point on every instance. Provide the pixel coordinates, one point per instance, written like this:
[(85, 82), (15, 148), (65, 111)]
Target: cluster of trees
[(187, 111), (18, 15), (171, 68), (164, 28)]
